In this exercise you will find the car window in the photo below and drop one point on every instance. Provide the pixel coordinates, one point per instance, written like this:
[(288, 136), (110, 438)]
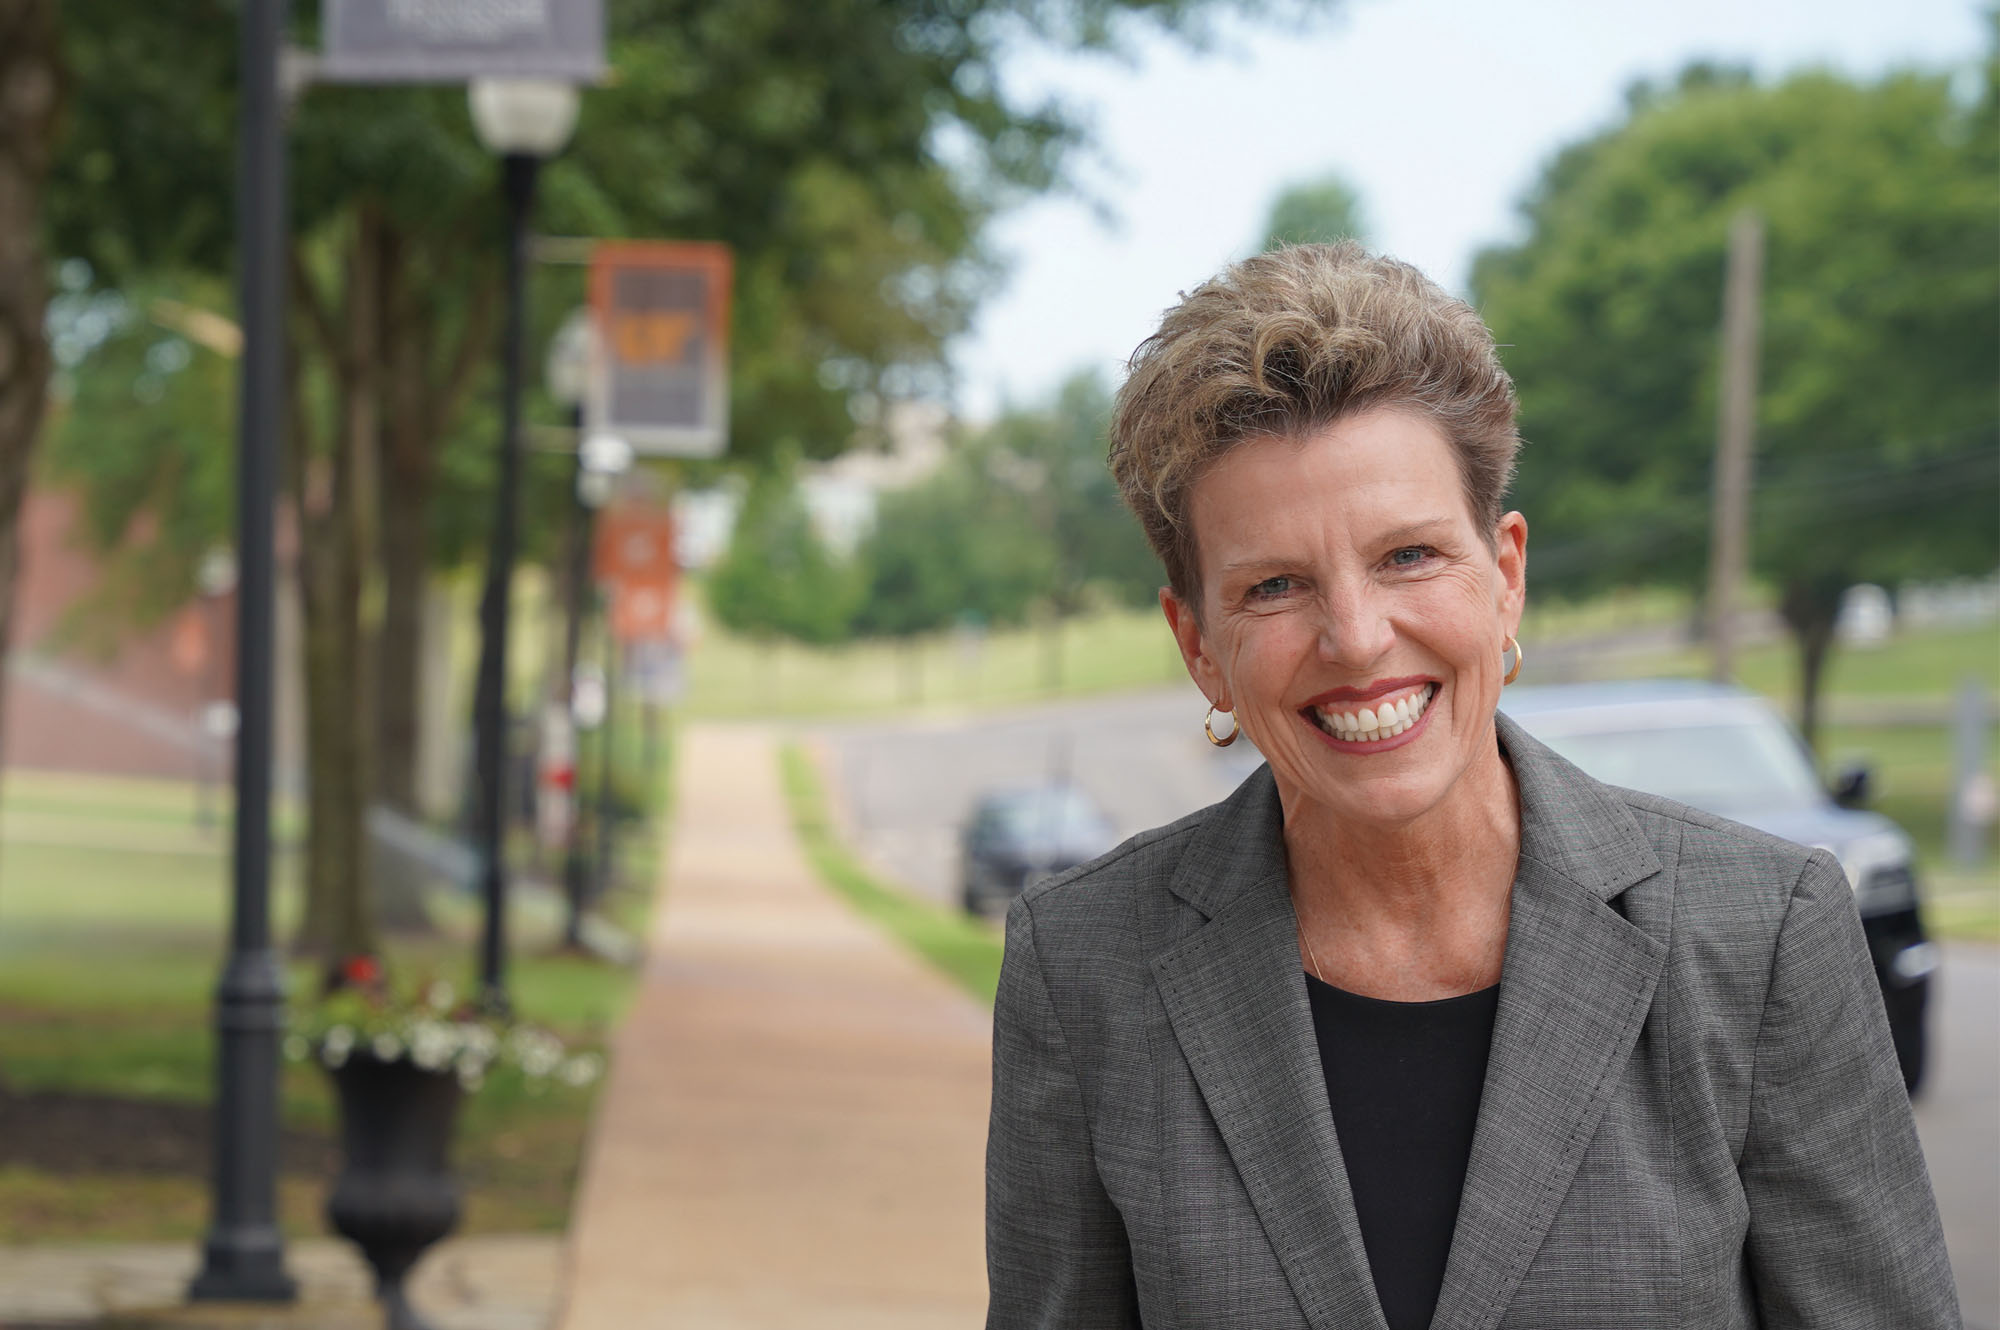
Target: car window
[(1055, 814), (1738, 765)]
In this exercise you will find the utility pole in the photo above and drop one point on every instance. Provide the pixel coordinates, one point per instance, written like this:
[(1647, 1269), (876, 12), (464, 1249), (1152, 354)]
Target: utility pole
[(243, 1258), (1736, 427)]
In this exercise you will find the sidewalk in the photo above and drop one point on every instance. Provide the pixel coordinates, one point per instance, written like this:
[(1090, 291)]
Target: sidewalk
[(480, 1283), (793, 1132)]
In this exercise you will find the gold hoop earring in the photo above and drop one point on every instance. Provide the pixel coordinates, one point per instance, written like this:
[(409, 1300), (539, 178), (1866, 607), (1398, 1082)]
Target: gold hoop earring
[(1513, 644), (1208, 728)]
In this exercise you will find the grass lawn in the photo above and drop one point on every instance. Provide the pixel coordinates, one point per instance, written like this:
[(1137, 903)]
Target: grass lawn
[(1918, 664), (1963, 906), (113, 910), (966, 950), (1115, 649)]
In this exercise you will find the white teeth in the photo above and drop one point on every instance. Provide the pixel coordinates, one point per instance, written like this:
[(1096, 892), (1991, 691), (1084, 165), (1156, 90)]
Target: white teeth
[(1379, 722)]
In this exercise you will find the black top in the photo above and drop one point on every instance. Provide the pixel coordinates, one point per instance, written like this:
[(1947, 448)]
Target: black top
[(1403, 1079)]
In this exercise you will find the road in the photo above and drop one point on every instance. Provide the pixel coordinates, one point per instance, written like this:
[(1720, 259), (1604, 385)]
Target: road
[(1958, 1116), (906, 785)]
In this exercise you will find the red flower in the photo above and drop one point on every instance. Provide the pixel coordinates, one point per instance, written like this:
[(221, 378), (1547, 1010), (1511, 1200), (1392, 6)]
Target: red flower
[(361, 971)]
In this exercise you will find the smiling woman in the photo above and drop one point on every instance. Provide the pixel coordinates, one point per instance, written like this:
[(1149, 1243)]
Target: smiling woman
[(1422, 1026)]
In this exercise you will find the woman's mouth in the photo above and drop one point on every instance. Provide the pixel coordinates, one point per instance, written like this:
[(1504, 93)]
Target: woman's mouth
[(1360, 725)]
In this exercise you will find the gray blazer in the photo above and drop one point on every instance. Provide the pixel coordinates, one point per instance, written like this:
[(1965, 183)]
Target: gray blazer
[(1692, 1114)]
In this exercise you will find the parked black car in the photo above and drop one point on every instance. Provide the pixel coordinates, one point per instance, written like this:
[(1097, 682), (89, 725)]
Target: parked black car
[(1016, 838), (1726, 751)]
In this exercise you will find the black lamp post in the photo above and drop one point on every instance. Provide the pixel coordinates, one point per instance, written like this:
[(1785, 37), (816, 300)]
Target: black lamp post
[(243, 1258), (522, 120), (600, 460)]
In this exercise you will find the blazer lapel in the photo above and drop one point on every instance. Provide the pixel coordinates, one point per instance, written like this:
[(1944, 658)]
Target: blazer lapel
[(1235, 993), (1575, 989)]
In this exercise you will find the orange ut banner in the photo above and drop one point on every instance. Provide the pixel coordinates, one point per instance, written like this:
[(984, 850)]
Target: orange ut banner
[(634, 561), (662, 316)]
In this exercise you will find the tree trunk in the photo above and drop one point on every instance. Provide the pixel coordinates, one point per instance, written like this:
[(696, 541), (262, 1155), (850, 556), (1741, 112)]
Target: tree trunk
[(405, 584), (408, 468), (422, 393), (30, 82), (913, 670), (1810, 607), (340, 918)]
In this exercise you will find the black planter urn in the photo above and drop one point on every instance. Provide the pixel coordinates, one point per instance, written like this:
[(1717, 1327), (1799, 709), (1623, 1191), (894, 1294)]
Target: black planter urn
[(395, 1195)]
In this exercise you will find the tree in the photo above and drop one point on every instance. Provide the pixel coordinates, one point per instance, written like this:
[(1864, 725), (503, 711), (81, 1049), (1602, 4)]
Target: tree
[(1316, 212), (1053, 456), (956, 547), (144, 392), (1876, 455), (850, 153), (1024, 517), (30, 88), (777, 578)]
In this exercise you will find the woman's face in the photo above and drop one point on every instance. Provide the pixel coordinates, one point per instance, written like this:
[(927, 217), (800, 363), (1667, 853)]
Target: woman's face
[(1352, 615)]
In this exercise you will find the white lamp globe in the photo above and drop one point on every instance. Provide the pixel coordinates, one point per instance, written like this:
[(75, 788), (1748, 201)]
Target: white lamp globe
[(524, 117), (570, 352)]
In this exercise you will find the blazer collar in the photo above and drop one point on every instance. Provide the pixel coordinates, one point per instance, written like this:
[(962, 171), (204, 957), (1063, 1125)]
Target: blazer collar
[(1576, 985), (1570, 824)]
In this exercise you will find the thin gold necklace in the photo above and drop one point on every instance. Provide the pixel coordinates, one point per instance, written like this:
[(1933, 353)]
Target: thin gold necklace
[(1300, 924)]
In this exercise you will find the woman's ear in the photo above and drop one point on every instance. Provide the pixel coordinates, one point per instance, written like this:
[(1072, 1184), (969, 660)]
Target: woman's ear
[(1510, 546), (1186, 625)]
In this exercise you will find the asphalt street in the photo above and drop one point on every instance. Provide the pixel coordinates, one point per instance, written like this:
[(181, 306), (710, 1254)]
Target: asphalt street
[(907, 785)]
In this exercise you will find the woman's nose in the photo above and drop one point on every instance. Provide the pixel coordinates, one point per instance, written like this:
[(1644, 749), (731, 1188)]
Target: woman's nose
[(1354, 631)]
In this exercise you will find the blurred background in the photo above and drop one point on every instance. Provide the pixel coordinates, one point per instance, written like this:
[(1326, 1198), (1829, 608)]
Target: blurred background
[(904, 565)]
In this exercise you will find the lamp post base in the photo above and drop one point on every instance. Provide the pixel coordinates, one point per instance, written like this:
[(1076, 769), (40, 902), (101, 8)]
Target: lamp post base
[(245, 1264)]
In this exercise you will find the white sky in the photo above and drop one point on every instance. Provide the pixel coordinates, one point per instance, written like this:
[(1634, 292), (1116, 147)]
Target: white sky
[(1439, 112)]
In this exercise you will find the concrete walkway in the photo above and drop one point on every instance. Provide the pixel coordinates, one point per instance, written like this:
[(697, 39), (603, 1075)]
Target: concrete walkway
[(479, 1283), (793, 1132)]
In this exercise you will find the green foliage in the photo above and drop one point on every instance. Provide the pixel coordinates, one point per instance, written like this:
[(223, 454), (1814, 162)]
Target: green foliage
[(1024, 514), (849, 152), (966, 951), (1876, 453), (777, 578), (142, 426), (1054, 456), (946, 552), (1316, 212)]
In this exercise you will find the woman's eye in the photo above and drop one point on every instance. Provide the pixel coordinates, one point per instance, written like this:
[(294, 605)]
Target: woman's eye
[(1269, 587), (1410, 556)]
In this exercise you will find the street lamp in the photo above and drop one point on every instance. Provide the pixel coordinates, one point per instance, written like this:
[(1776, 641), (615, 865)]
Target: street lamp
[(600, 460), (243, 1255), (568, 377), (522, 121)]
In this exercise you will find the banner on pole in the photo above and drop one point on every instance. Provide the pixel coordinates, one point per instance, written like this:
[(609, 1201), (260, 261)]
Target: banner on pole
[(450, 41), (661, 382), (634, 561)]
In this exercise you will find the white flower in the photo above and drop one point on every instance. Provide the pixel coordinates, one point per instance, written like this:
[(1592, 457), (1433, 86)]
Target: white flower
[(339, 1040), (334, 1056), (431, 1045), (386, 1046), (540, 1053), (582, 1069)]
